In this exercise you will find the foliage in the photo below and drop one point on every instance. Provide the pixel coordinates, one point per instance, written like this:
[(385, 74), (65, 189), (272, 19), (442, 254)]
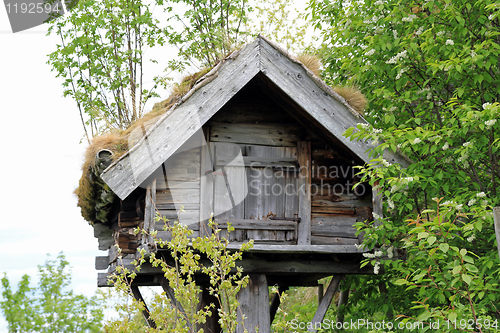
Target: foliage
[(188, 257), (50, 307), (211, 29), (430, 71), (101, 57)]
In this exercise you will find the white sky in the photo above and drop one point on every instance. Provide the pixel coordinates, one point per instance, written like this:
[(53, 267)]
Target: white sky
[(39, 164)]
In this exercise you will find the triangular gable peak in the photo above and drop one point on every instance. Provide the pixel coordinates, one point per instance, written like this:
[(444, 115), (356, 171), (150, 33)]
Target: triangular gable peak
[(314, 103)]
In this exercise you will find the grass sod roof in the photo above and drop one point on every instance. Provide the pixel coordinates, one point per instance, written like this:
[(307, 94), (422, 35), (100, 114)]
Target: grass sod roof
[(95, 198)]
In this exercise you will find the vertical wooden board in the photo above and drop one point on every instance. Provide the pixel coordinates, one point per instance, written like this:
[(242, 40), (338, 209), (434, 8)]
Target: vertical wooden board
[(254, 305), (377, 204), (206, 186), (304, 157)]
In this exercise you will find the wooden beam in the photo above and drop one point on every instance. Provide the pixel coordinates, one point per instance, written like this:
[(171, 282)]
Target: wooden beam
[(101, 262), (254, 305), (145, 312), (149, 217), (312, 249), (325, 302), (211, 324), (304, 157), (275, 303), (496, 218), (321, 292), (169, 291)]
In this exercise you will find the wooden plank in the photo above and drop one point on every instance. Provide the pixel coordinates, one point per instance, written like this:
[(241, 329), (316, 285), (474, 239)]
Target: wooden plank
[(101, 262), (496, 218), (326, 301), (168, 134), (304, 189), (178, 196), (279, 135), (254, 306), (312, 249), (102, 280), (377, 203), (259, 161), (104, 236), (206, 184), (186, 217), (258, 224), (145, 312), (331, 226), (334, 210), (320, 240), (169, 291), (149, 216)]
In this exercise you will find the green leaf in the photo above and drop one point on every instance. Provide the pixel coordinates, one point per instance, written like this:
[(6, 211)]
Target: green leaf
[(431, 240), (422, 235), (467, 278), (444, 247)]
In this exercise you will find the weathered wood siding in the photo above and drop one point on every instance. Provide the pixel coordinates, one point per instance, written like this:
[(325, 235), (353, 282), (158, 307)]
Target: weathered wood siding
[(335, 206)]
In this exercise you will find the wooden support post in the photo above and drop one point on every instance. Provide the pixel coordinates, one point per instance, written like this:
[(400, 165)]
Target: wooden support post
[(496, 218), (254, 305), (145, 313), (149, 216), (173, 300), (212, 323), (321, 292), (325, 302), (275, 303), (304, 158), (344, 295)]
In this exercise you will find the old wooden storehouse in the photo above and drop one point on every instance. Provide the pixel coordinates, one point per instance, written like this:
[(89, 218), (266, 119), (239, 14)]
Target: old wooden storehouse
[(257, 142)]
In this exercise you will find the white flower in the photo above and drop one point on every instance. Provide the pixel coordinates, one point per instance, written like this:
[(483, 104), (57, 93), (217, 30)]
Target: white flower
[(364, 47), (450, 42), (459, 207), (491, 16), (484, 203), (395, 59), (390, 252), (491, 122), (448, 203), (376, 268), (485, 105), (409, 18), (385, 163), (378, 253), (417, 140), (466, 144), (379, 3), (377, 130), (395, 34), (369, 53), (481, 195), (429, 95), (463, 158), (471, 238), (376, 216), (390, 203), (471, 202), (441, 33), (473, 54), (419, 31), (446, 146)]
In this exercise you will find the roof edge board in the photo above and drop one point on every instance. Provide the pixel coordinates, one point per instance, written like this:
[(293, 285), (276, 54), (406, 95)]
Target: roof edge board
[(316, 98)]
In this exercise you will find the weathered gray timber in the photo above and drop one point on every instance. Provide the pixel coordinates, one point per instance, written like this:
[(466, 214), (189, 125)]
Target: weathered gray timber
[(304, 157), (145, 312), (254, 305), (325, 302)]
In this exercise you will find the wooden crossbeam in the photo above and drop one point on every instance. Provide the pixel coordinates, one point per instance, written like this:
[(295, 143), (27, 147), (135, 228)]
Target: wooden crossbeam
[(325, 302), (171, 295), (145, 312)]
